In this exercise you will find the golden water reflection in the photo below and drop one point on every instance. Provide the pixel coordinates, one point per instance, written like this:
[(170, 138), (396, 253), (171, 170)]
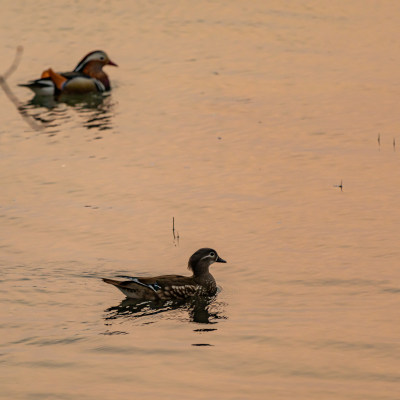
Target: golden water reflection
[(238, 120)]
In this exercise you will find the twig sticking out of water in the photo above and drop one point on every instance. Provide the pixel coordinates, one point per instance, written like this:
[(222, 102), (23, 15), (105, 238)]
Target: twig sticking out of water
[(340, 186), (176, 237), (379, 140), (394, 144), (9, 93)]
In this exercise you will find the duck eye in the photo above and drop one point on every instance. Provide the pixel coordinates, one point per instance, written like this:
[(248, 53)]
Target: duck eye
[(102, 58), (212, 254)]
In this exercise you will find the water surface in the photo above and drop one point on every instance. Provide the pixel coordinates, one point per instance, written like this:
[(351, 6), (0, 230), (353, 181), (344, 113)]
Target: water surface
[(237, 119)]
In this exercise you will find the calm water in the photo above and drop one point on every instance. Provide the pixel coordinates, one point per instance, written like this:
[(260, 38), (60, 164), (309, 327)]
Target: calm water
[(238, 119)]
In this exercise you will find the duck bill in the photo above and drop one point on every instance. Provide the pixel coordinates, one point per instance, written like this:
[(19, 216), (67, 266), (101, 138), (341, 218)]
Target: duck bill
[(112, 63), (221, 260)]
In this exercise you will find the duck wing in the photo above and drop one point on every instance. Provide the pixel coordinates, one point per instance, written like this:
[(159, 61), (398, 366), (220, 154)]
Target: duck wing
[(158, 287), (45, 85), (134, 289)]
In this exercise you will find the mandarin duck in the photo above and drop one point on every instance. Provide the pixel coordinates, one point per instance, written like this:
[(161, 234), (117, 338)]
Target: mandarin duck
[(88, 76), (167, 287)]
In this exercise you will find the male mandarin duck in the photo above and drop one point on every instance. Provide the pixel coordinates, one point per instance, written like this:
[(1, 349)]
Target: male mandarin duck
[(88, 76), (166, 287)]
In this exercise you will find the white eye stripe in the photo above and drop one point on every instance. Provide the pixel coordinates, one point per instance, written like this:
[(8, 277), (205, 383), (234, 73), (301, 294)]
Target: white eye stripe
[(95, 57), (209, 256)]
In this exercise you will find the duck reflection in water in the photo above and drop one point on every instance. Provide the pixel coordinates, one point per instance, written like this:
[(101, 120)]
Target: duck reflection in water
[(204, 310), (96, 109)]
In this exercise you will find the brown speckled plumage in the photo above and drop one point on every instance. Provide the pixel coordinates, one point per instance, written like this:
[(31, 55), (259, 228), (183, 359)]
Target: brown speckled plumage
[(174, 286)]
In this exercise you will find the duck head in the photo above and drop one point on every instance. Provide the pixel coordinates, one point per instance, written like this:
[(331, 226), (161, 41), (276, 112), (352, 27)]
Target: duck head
[(201, 260), (97, 58)]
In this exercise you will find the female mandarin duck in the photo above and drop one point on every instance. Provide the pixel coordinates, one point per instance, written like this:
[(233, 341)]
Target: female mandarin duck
[(166, 287), (88, 76)]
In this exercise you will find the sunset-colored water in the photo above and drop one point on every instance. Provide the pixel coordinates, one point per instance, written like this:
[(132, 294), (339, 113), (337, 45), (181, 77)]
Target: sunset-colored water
[(239, 119)]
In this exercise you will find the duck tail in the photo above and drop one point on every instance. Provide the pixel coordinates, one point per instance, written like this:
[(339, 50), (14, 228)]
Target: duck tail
[(111, 281)]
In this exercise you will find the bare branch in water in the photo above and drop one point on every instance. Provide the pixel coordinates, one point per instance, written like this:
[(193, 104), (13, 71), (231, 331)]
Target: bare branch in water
[(11, 96), (176, 236), (15, 63)]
